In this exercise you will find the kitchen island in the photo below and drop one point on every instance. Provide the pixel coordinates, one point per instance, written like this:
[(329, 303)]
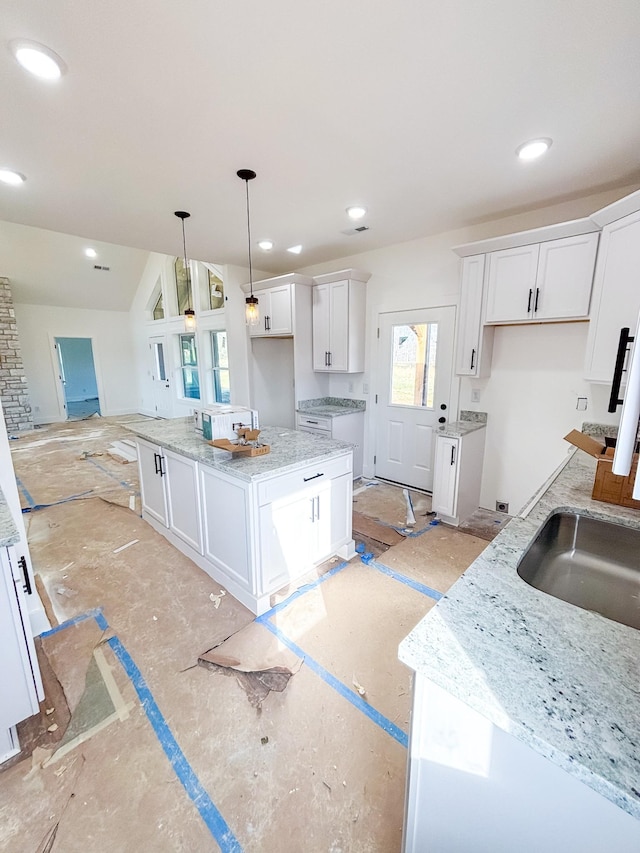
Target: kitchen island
[(526, 718), (255, 524)]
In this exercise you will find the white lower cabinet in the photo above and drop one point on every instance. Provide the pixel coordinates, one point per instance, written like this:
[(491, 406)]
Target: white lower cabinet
[(457, 475), (343, 428), (19, 674), (252, 537)]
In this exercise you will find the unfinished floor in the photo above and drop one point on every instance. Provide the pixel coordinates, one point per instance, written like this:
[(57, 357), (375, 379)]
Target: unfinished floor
[(146, 750)]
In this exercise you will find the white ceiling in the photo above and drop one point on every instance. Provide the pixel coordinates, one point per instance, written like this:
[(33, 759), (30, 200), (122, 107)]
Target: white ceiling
[(411, 107)]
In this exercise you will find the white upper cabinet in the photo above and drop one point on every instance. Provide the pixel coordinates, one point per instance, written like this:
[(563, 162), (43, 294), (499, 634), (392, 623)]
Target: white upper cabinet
[(474, 343), (549, 281), (276, 316), (339, 301), (616, 294)]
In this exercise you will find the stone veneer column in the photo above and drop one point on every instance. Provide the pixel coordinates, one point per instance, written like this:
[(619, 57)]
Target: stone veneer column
[(13, 385)]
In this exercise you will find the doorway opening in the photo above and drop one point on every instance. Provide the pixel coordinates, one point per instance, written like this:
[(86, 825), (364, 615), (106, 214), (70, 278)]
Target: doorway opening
[(78, 377)]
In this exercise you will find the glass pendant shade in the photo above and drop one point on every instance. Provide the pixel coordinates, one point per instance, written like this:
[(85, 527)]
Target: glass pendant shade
[(189, 320), (251, 311)]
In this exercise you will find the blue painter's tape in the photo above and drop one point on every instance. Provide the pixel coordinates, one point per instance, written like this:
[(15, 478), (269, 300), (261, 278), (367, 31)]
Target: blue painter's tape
[(36, 507), (25, 492), (95, 613), (419, 587), (104, 470), (350, 695), (411, 534), (183, 770), (303, 590)]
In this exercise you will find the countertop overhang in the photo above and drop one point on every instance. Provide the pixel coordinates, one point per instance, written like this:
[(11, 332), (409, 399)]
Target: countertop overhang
[(8, 531), (563, 680), (290, 449)]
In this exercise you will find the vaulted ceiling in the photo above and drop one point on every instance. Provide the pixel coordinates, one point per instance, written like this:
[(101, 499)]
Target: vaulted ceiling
[(413, 108)]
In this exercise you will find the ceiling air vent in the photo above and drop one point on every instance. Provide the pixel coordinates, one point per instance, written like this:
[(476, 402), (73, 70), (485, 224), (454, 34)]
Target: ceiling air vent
[(100, 267), (357, 230)]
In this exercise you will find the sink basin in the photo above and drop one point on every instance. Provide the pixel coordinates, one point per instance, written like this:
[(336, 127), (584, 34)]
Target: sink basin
[(590, 563)]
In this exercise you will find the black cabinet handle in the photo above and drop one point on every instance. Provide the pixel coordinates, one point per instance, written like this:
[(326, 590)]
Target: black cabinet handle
[(22, 562), (473, 359), (314, 477), (453, 454), (330, 358), (623, 346), (535, 305), (155, 459), (529, 302)]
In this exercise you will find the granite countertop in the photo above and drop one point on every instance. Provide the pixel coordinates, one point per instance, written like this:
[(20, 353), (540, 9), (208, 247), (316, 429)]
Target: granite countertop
[(290, 449), (563, 680), (8, 531), (330, 407), (459, 428)]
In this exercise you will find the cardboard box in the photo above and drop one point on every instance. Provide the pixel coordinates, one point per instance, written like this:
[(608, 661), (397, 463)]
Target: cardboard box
[(607, 487)]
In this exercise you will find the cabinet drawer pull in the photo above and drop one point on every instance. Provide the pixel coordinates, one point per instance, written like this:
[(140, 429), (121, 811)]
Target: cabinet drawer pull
[(309, 421), (162, 472), (623, 346), (453, 455), (155, 459), (314, 477), (535, 306), (22, 562), (330, 359), (529, 302), (473, 359)]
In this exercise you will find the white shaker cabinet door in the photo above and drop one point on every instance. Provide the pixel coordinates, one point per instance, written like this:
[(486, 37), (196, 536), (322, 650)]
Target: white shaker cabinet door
[(286, 539), (280, 318), (227, 526), (183, 498), (511, 284), (565, 276), (339, 326), (445, 477), (18, 697), (469, 338), (321, 325), (151, 465)]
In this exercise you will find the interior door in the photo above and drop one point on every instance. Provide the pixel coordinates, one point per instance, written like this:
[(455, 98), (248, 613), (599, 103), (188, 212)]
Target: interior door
[(415, 370), (162, 399)]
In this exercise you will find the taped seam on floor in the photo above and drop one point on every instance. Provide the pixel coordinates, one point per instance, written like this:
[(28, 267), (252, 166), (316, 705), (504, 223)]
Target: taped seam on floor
[(104, 470), (95, 613), (25, 492), (216, 824), (356, 700), (411, 534), (303, 590), (36, 507), (183, 770), (419, 587)]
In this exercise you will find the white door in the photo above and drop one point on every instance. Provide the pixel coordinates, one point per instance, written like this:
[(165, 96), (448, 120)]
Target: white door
[(160, 377), (415, 371)]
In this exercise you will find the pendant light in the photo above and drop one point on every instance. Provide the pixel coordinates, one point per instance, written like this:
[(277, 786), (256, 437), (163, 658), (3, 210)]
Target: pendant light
[(251, 310), (189, 314)]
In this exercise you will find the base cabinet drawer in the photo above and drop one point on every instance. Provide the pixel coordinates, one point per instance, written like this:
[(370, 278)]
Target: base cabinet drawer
[(305, 478)]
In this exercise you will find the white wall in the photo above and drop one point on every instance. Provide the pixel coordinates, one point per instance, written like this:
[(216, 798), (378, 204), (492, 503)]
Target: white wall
[(113, 356), (549, 358)]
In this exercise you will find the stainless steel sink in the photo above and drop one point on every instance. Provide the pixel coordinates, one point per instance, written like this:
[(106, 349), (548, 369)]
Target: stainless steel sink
[(591, 563)]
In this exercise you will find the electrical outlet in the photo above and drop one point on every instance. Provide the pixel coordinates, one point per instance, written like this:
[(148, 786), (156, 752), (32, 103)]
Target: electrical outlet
[(351, 387), (502, 506), (475, 395), (365, 387), (581, 405)]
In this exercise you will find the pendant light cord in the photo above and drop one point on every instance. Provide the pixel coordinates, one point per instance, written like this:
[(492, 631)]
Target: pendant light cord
[(186, 265), (249, 239)]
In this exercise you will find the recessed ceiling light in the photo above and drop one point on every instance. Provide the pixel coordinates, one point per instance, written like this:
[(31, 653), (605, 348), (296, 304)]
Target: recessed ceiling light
[(533, 149), (14, 179), (295, 250), (266, 245), (91, 253), (356, 211), (38, 60)]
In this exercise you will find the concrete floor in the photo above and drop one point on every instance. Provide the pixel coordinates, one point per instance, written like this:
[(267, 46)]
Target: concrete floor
[(169, 756)]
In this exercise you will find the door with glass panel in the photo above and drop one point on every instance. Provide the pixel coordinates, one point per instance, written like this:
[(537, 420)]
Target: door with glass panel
[(415, 373), (162, 399)]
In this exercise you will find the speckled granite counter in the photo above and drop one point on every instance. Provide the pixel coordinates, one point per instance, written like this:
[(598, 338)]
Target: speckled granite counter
[(290, 449), (563, 680), (459, 428), (8, 531), (330, 407)]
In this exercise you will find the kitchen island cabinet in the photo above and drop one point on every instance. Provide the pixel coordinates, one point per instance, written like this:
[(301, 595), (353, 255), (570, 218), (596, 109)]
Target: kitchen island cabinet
[(253, 524), (525, 712)]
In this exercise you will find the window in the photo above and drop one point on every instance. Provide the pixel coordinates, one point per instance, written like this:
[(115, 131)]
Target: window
[(158, 309), (183, 286), (216, 290), (220, 360), (189, 362), (413, 369), (161, 370)]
